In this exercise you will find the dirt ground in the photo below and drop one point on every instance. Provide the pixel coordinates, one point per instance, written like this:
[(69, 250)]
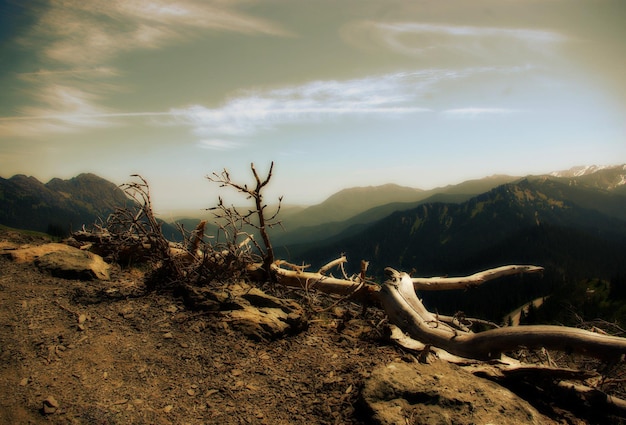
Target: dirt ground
[(111, 352)]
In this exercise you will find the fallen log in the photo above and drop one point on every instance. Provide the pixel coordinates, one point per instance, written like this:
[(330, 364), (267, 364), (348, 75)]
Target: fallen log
[(362, 289), (404, 309), (294, 276)]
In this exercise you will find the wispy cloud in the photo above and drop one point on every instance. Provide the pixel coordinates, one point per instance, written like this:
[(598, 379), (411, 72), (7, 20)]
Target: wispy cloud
[(75, 40), (385, 96), (78, 32), (95, 72), (219, 145), (415, 38), (61, 109), (473, 112), (251, 112)]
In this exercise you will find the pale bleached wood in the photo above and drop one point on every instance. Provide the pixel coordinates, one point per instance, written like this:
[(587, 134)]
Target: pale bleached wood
[(298, 278), (465, 282), (295, 276), (406, 311), (334, 263)]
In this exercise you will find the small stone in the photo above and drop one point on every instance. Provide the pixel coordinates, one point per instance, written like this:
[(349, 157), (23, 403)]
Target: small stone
[(50, 405), (168, 408), (210, 392), (184, 345), (24, 382), (191, 392), (168, 335), (82, 318), (81, 327)]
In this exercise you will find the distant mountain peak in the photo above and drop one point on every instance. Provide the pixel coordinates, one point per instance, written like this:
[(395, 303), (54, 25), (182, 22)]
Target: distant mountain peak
[(583, 170), (607, 177)]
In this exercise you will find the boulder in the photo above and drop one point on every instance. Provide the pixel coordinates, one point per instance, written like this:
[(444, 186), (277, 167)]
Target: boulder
[(265, 317), (441, 394), (62, 261), (249, 310)]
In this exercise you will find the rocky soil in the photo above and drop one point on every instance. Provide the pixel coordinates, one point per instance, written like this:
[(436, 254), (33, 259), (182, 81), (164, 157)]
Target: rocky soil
[(97, 351)]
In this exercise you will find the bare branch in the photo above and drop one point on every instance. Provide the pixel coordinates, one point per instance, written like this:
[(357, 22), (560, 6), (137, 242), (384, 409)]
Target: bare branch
[(465, 282), (262, 222), (298, 278)]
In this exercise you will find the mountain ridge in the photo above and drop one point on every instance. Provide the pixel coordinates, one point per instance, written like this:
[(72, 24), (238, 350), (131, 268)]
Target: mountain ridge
[(347, 208), (429, 235), (59, 206)]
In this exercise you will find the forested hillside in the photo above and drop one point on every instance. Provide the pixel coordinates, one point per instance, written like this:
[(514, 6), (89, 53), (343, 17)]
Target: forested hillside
[(533, 221)]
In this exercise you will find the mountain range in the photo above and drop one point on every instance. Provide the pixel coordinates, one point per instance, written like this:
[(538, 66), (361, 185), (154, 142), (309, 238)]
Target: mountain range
[(440, 237), (573, 223), (573, 226)]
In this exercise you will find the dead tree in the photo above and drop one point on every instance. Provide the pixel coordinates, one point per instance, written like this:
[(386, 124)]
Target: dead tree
[(262, 221), (406, 310), (399, 300)]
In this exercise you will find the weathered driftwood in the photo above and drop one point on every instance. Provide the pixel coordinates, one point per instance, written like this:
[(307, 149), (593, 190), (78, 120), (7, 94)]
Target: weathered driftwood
[(360, 288), (465, 282), (295, 276), (406, 310), (596, 398)]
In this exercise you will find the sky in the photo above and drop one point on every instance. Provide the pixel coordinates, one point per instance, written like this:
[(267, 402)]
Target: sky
[(338, 93)]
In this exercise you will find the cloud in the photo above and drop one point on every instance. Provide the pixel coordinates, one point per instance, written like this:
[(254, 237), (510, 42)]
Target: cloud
[(63, 109), (95, 72), (75, 32), (75, 39), (385, 96), (78, 32), (422, 39), (473, 112), (254, 111), (66, 108), (219, 145)]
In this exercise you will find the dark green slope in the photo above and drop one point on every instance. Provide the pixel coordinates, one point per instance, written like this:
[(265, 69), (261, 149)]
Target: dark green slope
[(503, 224), (528, 222), (356, 208)]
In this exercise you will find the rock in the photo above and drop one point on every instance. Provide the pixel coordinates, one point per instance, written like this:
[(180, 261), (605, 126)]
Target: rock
[(77, 264), (265, 317), (441, 393), (28, 254), (62, 261), (50, 405), (249, 310)]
